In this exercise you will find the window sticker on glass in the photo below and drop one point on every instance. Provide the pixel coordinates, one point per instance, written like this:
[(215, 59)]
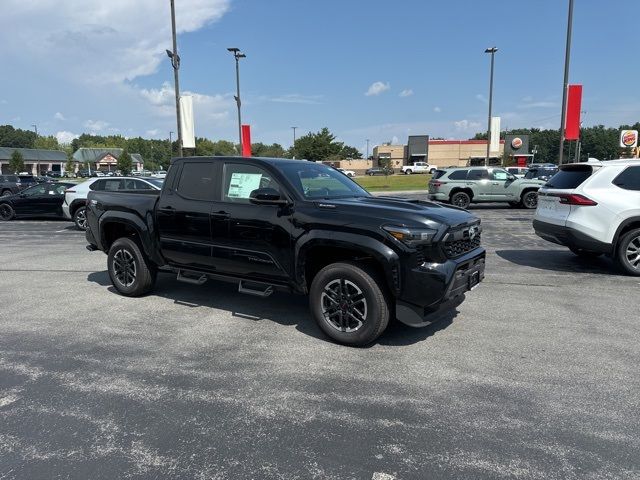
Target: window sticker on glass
[(242, 184)]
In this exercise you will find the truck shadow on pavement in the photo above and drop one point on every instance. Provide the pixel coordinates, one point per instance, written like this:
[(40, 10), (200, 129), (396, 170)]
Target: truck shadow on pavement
[(281, 308), (560, 261)]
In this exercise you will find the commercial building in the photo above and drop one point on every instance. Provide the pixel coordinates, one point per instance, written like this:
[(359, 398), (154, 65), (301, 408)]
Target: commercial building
[(443, 153), (35, 160), (104, 159)]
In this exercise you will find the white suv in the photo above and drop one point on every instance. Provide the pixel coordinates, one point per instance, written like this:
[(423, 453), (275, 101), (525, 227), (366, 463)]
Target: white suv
[(594, 208), (75, 198)]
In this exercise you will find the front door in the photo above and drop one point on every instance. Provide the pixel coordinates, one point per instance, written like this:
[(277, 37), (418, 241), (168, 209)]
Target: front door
[(52, 202), (257, 240), (182, 216), (32, 201), (502, 188)]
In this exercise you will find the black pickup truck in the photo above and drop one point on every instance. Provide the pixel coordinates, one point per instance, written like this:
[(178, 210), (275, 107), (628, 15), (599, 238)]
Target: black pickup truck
[(291, 225)]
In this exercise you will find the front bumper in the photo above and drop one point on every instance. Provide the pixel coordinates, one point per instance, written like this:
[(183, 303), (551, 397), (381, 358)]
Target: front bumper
[(570, 237), (429, 285), (65, 211)]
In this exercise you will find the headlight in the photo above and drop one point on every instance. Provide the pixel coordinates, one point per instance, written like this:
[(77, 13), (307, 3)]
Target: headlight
[(411, 236)]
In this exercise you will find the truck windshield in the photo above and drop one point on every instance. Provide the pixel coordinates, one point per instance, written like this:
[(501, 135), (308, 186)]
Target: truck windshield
[(316, 181)]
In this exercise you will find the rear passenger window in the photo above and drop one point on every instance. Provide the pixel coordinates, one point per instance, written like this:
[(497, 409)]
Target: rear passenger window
[(458, 175), (478, 174), (629, 179), (196, 181), (570, 178), (97, 185), (438, 173), (112, 185)]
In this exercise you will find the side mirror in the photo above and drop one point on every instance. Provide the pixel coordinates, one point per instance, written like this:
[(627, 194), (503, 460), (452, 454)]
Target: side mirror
[(266, 196), (511, 178)]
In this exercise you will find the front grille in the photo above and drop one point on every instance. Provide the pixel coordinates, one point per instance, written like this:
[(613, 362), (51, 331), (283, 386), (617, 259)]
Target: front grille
[(464, 240)]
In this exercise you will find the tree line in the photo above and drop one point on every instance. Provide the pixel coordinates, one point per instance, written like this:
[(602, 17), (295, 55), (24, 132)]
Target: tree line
[(316, 146)]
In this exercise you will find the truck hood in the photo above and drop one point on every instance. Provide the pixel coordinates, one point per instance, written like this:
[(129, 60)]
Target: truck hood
[(399, 211)]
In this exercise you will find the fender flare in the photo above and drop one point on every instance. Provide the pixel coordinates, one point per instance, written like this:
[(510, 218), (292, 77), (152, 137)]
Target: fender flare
[(145, 231), (381, 253)]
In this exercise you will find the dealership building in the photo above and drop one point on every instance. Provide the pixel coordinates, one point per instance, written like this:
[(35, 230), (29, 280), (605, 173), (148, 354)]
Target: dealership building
[(34, 159)]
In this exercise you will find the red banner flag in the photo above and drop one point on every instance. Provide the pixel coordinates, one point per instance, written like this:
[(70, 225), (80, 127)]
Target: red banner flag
[(574, 103), (246, 140)]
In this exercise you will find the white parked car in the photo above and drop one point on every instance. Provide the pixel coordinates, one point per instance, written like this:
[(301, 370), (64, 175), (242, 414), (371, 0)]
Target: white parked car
[(419, 167), (159, 174), (348, 173), (75, 198), (594, 208)]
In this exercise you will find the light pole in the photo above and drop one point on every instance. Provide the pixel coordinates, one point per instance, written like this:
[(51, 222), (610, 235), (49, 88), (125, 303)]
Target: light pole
[(237, 54), (293, 148), (567, 55), (35, 127), (492, 51), (175, 63), (367, 157), (170, 144)]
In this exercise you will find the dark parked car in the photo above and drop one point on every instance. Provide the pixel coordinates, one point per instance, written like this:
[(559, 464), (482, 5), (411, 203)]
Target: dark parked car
[(379, 171), (541, 171), (11, 184), (53, 174), (41, 200), (301, 227), (83, 174)]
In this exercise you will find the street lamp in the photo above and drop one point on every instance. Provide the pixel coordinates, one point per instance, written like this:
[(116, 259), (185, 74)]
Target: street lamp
[(175, 63), (293, 148), (367, 157), (567, 55), (237, 54), (492, 51)]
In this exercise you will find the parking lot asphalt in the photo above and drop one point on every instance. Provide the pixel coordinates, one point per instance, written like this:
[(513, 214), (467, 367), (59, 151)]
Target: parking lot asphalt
[(535, 375)]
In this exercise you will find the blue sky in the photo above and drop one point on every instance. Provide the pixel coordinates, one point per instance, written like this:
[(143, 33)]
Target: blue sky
[(93, 66)]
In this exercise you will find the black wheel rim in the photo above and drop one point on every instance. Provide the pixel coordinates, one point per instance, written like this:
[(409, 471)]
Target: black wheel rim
[(632, 253), (344, 306), (124, 267), (81, 218), (531, 200), (460, 201), (6, 194), (5, 212)]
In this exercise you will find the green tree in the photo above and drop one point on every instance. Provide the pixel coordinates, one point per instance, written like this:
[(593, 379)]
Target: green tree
[(274, 150), (205, 147), (16, 163), (125, 164), (350, 152), (46, 143), (16, 137)]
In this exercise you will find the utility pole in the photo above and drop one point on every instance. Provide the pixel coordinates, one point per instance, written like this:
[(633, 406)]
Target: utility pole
[(567, 57), (175, 63), (293, 147), (367, 157), (237, 54), (170, 144), (492, 51), (35, 127)]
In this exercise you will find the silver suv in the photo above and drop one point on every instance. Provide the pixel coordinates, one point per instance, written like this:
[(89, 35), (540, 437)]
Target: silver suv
[(463, 186)]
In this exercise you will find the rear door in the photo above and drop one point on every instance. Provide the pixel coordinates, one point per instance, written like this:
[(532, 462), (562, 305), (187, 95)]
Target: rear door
[(551, 207), (183, 214), (478, 180)]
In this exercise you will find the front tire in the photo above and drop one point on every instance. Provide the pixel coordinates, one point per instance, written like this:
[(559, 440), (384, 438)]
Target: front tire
[(461, 199), (628, 252), (6, 193), (349, 304), (80, 218), (6, 212), (408, 172), (131, 273), (530, 200)]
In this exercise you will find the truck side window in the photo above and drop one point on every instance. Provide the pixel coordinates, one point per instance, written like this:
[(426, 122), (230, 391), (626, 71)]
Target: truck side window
[(478, 174), (197, 181), (241, 180), (458, 175)]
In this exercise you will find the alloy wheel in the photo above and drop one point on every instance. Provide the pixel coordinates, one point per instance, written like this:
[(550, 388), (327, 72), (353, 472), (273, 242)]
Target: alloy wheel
[(124, 267), (632, 253), (6, 212), (344, 306), (81, 218), (530, 200)]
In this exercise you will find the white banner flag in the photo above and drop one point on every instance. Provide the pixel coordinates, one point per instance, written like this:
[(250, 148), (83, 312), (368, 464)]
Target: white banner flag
[(186, 122), (494, 143)]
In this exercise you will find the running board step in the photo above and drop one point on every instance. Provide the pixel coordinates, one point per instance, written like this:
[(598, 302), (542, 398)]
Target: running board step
[(192, 280), (257, 293)]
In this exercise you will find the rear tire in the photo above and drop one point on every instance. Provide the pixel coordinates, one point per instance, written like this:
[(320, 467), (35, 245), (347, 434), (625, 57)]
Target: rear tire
[(349, 304), (80, 218), (408, 172), (460, 199), (6, 212), (628, 252), (530, 200), (6, 193), (131, 273)]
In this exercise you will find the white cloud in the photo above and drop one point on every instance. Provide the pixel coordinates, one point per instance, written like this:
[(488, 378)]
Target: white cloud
[(65, 137), (395, 140), (295, 98), (407, 92), (103, 42), (153, 133), (466, 125), (96, 125), (59, 116), (437, 109), (539, 105), (377, 88), (481, 98)]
